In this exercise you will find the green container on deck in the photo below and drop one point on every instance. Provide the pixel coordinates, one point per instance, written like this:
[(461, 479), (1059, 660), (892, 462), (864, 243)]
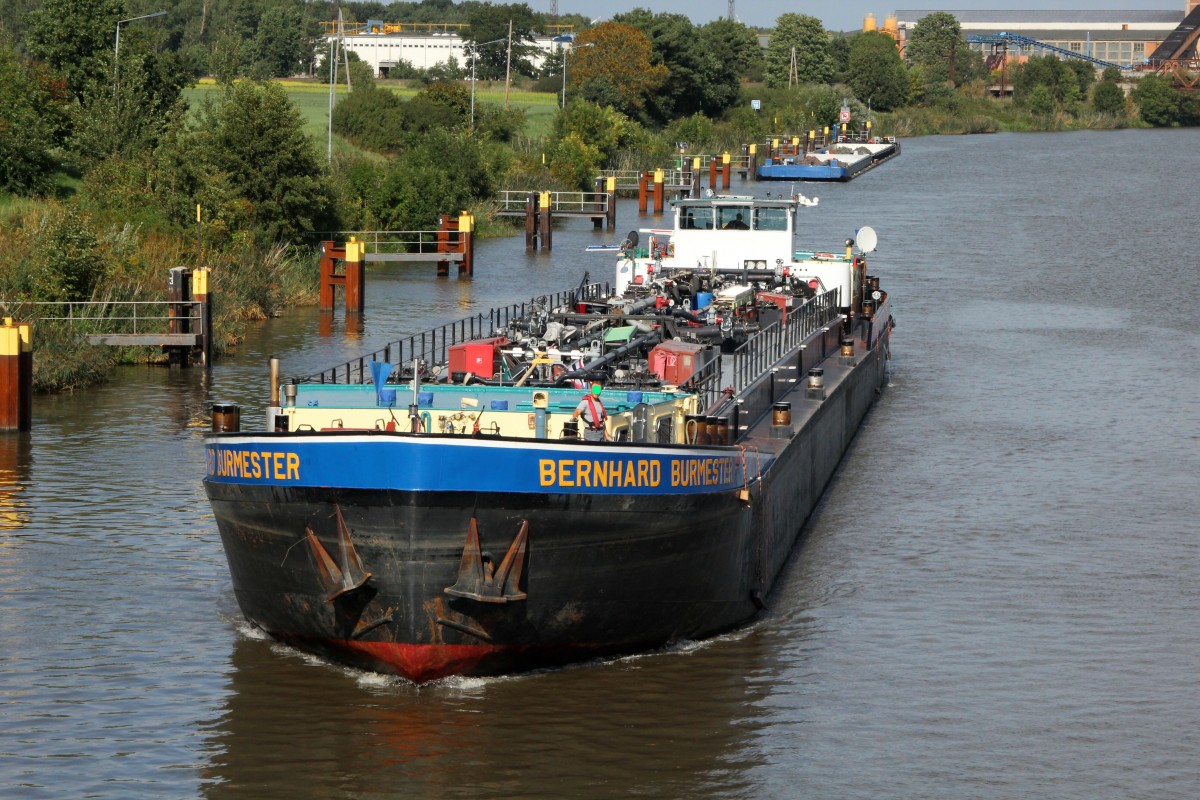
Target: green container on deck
[(618, 335)]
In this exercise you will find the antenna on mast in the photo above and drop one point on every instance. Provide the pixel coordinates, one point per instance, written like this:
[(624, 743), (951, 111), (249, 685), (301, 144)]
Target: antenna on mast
[(730, 13)]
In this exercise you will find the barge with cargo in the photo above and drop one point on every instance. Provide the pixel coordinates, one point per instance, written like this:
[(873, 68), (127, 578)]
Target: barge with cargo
[(430, 509), (841, 161)]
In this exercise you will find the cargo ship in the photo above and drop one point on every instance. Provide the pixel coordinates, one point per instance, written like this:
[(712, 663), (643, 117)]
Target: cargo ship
[(842, 161), (431, 509)]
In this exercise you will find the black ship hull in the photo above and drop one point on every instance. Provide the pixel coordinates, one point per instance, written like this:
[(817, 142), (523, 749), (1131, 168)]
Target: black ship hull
[(484, 581)]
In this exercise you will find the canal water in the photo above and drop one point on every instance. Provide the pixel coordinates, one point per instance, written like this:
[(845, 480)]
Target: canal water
[(999, 596)]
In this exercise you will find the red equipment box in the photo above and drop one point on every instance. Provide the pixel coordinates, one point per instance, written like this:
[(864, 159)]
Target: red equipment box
[(480, 357), (675, 362), (784, 301)]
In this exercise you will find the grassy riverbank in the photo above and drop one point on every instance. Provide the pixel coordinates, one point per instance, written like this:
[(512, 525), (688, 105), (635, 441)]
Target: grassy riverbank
[(52, 251), (962, 114)]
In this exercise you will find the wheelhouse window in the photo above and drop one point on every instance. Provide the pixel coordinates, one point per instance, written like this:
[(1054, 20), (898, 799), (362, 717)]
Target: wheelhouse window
[(770, 219), (697, 218), (734, 217)]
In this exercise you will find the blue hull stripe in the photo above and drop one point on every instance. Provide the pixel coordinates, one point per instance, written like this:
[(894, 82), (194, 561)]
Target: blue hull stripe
[(405, 463)]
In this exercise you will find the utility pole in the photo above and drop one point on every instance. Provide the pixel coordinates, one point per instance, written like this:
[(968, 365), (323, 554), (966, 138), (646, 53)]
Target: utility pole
[(508, 66)]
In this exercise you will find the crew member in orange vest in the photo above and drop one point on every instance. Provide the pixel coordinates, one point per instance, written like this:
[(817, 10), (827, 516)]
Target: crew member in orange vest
[(591, 410)]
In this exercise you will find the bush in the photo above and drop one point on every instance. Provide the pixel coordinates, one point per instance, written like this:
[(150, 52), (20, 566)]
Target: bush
[(373, 119), (63, 360), (1108, 98)]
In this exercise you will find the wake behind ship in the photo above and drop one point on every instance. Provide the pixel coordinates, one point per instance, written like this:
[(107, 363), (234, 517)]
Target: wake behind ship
[(430, 509)]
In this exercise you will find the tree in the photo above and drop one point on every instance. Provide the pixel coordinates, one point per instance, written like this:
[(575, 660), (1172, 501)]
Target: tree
[(1157, 101), (446, 171), (618, 64), (373, 119), (805, 37), (732, 42), (575, 162), (489, 23), (602, 127), (876, 71), (1046, 71), (936, 44), (1084, 73), (280, 48), (75, 38), (1108, 97), (699, 79), (1041, 100), (30, 101), (131, 114), (252, 144)]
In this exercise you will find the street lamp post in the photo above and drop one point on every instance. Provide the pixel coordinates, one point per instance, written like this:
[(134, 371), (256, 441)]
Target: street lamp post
[(474, 58), (117, 43), (573, 47)]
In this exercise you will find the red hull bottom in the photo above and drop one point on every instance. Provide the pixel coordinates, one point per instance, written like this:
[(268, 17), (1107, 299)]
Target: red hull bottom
[(421, 663)]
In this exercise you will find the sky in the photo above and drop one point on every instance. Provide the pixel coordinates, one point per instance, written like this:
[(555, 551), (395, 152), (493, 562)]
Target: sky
[(837, 16)]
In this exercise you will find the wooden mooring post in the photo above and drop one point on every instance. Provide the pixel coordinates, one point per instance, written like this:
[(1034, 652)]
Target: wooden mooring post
[(751, 162), (546, 221), (607, 206), (456, 235), (189, 311), (16, 376), (204, 316), (693, 178), (652, 185), (531, 231), (726, 168), (352, 279)]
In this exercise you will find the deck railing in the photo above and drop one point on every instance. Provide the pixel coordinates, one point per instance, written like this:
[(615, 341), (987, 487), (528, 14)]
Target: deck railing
[(762, 350), (433, 346)]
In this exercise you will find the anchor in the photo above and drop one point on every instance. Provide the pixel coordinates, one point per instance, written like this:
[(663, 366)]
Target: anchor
[(338, 581), (478, 580)]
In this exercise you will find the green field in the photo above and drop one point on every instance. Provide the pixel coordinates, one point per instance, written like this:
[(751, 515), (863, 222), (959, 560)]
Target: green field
[(312, 100)]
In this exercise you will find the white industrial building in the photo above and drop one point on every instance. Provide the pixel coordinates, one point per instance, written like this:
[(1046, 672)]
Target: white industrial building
[(384, 45)]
